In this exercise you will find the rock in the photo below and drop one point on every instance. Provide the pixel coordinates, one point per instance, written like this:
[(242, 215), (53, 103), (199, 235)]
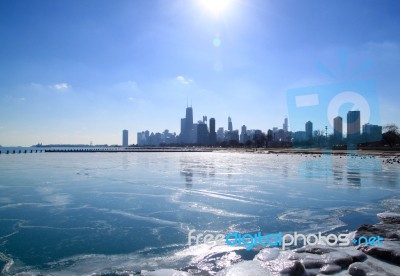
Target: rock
[(296, 268), (318, 256), (373, 267), (330, 269), (368, 260), (314, 249), (312, 261), (389, 251), (358, 269), (389, 228), (284, 264), (357, 255), (339, 257), (326, 260), (388, 217), (268, 254), (387, 231), (286, 267), (312, 272)]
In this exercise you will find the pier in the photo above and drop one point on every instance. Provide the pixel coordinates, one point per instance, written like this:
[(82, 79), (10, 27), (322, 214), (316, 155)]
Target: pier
[(98, 149), (19, 151), (157, 149)]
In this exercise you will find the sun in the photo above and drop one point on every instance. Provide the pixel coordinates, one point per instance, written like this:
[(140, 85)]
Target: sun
[(215, 6)]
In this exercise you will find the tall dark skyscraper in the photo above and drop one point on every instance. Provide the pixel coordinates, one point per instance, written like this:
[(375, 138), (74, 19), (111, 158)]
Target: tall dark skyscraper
[(285, 125), (309, 130), (353, 125), (189, 117), (125, 138), (189, 125), (230, 128), (183, 125), (202, 134), (213, 134), (338, 128), (212, 125), (187, 132), (243, 138)]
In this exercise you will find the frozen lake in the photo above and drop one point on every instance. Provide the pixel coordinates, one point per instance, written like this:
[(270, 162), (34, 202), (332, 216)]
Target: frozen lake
[(110, 213)]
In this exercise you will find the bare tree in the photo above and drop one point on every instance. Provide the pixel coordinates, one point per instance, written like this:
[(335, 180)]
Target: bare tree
[(391, 134)]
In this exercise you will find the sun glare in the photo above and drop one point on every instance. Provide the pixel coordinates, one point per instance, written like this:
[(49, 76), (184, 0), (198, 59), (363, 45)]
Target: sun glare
[(216, 6)]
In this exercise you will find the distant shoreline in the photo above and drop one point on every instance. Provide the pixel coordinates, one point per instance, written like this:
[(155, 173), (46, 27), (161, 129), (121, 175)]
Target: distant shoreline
[(321, 151), (317, 151)]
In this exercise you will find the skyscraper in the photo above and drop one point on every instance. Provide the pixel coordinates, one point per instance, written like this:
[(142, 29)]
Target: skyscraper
[(371, 133), (125, 138), (212, 125), (230, 128), (189, 125), (213, 134), (244, 129), (353, 125), (338, 128), (243, 135), (285, 125), (183, 125), (309, 130), (189, 117), (139, 138), (187, 131), (202, 134), (220, 134)]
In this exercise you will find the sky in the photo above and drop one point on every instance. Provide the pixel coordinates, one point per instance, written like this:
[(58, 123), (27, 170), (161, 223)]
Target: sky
[(82, 71)]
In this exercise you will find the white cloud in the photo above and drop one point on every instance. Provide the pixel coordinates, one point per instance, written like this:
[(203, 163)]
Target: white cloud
[(184, 80), (60, 86)]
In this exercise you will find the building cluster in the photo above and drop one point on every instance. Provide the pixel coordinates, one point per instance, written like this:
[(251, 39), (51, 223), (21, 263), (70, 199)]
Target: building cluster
[(145, 138), (204, 133), (370, 133)]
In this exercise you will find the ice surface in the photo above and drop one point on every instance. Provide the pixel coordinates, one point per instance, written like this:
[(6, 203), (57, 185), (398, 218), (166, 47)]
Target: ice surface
[(253, 268)]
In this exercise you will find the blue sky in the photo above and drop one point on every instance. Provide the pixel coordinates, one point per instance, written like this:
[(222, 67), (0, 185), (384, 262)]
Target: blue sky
[(81, 71)]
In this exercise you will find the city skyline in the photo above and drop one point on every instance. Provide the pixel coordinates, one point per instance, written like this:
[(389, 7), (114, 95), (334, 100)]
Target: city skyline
[(204, 134), (75, 72)]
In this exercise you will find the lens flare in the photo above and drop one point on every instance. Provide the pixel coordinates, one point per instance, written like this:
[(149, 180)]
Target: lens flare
[(217, 41), (216, 6)]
